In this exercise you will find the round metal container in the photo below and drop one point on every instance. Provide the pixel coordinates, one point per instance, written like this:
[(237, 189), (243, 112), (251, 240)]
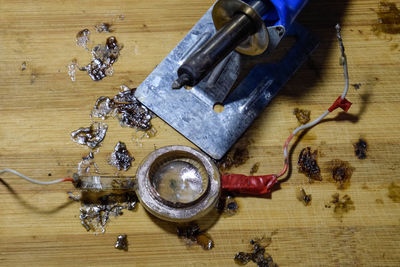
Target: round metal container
[(178, 183)]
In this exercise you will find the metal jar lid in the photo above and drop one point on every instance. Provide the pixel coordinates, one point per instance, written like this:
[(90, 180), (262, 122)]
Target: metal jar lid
[(178, 183)]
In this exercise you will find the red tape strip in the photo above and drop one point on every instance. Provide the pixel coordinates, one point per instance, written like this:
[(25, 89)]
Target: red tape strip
[(340, 103), (253, 185)]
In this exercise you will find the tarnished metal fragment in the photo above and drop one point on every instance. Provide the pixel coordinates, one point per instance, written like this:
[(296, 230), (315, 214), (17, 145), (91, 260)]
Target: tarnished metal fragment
[(103, 57), (259, 256), (82, 38), (304, 197), (341, 173), (129, 111), (191, 234), (307, 164), (132, 113), (227, 205), (122, 242)]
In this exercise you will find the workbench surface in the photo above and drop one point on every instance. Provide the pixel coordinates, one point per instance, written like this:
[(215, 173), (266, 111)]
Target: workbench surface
[(40, 106)]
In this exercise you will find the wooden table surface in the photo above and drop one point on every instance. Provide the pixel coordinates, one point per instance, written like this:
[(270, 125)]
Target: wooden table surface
[(40, 106)]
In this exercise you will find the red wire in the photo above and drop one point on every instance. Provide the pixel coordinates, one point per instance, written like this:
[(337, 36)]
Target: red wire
[(285, 147), (68, 179)]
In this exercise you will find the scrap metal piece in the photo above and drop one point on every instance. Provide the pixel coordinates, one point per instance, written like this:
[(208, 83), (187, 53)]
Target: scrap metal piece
[(103, 108), (227, 205), (82, 38), (23, 66), (121, 158), (192, 234), (308, 165), (259, 256), (95, 217), (132, 113), (91, 136), (103, 27), (341, 173), (72, 67), (122, 242), (304, 197), (95, 214), (125, 106), (86, 164), (104, 56), (360, 149)]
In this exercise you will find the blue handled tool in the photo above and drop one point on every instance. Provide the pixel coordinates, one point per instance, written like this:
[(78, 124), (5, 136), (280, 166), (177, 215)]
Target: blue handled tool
[(226, 60)]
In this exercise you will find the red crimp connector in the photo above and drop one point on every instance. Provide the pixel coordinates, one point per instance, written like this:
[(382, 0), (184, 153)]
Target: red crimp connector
[(342, 103), (253, 185)]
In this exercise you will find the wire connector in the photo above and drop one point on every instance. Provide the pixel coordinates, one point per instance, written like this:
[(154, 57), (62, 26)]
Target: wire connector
[(342, 103)]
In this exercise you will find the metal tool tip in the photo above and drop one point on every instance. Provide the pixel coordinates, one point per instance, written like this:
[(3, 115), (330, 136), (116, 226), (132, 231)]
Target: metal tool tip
[(181, 81), (176, 84)]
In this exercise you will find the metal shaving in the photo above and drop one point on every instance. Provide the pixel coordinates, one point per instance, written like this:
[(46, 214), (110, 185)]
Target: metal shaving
[(125, 106), (82, 38), (73, 197), (131, 113), (103, 57), (227, 206), (72, 67), (103, 108), (121, 158), (259, 256), (96, 216), (103, 27), (307, 164), (304, 197), (360, 149), (122, 242), (91, 136), (23, 66), (86, 164)]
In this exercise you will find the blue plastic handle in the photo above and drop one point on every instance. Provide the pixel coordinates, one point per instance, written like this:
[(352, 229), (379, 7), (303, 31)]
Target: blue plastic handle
[(281, 12)]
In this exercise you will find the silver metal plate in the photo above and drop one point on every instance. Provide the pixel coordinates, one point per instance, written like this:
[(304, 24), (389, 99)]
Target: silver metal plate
[(191, 112)]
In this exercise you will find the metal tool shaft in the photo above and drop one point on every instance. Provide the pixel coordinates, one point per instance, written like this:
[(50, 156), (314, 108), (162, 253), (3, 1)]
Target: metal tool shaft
[(197, 65), (201, 62)]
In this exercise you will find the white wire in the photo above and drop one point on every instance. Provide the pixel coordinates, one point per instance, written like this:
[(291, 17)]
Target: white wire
[(311, 124), (346, 86), (343, 61), (30, 179)]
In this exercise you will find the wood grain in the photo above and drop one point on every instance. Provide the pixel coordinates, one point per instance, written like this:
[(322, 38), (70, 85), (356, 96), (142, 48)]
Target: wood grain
[(40, 106)]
